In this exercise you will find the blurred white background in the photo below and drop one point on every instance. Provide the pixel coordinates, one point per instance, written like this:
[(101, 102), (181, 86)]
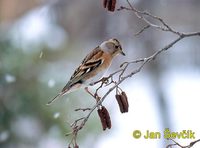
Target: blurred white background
[(43, 41)]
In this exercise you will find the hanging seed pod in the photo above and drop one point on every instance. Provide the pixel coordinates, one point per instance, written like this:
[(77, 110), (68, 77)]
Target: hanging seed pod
[(103, 122), (126, 100), (76, 146), (105, 3), (122, 101), (104, 117), (109, 4), (121, 107)]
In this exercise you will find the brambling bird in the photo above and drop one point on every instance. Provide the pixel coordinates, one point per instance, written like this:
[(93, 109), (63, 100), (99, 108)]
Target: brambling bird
[(92, 67)]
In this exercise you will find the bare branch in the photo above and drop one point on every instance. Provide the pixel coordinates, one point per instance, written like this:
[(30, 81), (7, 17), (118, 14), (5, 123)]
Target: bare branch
[(144, 28), (82, 109), (143, 14), (177, 144)]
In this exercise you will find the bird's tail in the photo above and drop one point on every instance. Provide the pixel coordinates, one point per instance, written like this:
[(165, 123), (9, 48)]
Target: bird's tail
[(64, 91), (56, 97)]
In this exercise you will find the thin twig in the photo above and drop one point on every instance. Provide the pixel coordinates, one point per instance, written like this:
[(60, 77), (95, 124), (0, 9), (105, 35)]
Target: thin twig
[(82, 109), (142, 15), (179, 145), (144, 28)]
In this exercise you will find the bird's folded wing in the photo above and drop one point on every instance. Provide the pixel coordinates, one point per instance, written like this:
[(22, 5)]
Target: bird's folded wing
[(90, 63)]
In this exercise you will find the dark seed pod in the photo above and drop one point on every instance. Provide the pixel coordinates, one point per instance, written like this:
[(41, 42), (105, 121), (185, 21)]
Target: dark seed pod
[(126, 99), (111, 5), (105, 3), (76, 146), (101, 116), (124, 103), (106, 117), (119, 101), (124, 94)]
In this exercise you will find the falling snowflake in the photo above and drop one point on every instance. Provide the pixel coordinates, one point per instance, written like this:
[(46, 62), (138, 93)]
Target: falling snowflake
[(51, 83), (4, 136), (10, 78), (56, 115)]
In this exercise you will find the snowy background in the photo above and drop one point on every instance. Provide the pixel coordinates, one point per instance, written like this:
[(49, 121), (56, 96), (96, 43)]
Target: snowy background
[(43, 41)]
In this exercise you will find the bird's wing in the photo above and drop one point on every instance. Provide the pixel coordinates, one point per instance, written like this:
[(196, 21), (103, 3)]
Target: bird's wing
[(89, 63)]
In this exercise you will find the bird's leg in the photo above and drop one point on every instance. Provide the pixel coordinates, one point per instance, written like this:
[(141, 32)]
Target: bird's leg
[(104, 80)]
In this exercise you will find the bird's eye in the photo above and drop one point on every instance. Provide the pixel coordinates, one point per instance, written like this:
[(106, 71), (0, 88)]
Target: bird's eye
[(116, 46)]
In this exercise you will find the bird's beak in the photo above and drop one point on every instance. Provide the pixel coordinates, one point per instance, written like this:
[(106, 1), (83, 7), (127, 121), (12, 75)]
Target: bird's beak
[(123, 53)]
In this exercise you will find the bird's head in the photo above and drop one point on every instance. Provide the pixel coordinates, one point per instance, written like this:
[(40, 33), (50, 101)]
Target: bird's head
[(112, 46)]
